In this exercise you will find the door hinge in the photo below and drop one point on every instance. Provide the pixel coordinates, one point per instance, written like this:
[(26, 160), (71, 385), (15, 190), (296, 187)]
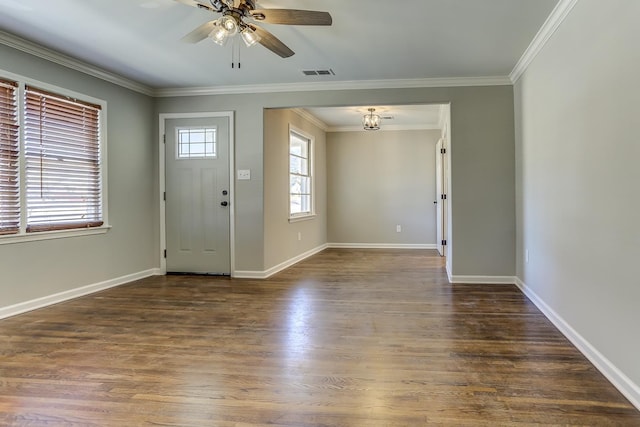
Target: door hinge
[(164, 138), (165, 253), (164, 196), (443, 151), (444, 243), (443, 196)]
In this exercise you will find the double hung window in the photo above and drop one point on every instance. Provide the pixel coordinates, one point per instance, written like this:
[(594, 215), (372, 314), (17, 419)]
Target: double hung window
[(51, 168), (300, 175)]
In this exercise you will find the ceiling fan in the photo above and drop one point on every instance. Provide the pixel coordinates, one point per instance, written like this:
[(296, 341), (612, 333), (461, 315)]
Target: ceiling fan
[(236, 13)]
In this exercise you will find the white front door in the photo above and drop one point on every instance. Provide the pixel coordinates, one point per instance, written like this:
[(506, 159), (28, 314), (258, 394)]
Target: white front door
[(197, 195)]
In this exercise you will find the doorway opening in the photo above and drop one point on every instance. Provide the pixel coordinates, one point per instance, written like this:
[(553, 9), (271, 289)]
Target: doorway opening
[(370, 199)]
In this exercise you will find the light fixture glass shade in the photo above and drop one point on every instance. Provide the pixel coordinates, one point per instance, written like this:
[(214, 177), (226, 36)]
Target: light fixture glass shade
[(229, 24), (250, 37), (371, 121), (219, 35)]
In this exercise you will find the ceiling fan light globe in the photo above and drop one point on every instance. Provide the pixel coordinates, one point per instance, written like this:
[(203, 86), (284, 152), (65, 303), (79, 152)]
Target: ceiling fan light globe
[(250, 37), (219, 35), (229, 24)]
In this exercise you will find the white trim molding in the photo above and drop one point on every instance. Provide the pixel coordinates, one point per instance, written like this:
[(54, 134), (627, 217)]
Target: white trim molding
[(555, 19), (481, 280), (381, 246), (70, 62), (278, 268), (310, 117), (340, 85), (623, 383), (59, 297)]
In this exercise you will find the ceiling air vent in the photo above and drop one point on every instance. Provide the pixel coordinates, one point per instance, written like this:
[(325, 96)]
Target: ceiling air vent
[(327, 72)]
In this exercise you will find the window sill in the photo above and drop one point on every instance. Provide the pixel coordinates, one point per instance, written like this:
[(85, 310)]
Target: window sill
[(301, 218), (48, 235)]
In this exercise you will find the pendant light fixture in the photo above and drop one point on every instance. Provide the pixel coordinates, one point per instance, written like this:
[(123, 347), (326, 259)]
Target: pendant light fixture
[(371, 121)]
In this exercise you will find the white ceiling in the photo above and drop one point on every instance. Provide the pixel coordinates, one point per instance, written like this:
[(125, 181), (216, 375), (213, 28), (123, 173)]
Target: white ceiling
[(370, 40)]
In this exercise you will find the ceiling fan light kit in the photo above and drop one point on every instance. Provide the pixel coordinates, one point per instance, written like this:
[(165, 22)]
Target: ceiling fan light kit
[(232, 22)]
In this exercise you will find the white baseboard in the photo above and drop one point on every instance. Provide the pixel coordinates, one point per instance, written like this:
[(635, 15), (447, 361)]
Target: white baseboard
[(278, 268), (482, 280), (623, 383), (34, 304), (382, 246)]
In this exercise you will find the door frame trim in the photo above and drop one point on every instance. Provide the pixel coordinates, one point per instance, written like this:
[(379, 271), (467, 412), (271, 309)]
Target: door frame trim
[(162, 118)]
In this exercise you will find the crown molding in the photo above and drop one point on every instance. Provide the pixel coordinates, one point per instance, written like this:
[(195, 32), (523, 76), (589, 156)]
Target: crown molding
[(70, 62), (311, 118), (339, 85), (557, 16)]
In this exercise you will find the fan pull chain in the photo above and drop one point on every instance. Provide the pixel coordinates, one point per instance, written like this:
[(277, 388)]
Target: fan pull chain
[(235, 52)]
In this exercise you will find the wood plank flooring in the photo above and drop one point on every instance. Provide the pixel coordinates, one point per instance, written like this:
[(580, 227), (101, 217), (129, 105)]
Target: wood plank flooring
[(346, 338)]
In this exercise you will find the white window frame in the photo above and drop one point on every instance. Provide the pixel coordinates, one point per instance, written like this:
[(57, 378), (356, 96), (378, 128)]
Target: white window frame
[(22, 235), (294, 217)]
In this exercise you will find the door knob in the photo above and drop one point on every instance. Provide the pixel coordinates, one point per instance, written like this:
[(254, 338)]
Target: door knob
[(224, 204)]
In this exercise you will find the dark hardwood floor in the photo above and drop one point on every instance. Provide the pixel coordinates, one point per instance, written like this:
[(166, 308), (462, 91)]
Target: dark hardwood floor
[(345, 338)]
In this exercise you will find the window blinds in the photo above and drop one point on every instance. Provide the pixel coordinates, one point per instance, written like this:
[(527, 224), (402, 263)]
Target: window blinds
[(62, 159), (9, 158)]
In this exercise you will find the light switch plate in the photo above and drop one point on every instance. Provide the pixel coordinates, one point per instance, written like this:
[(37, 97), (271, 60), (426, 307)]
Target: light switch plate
[(244, 174)]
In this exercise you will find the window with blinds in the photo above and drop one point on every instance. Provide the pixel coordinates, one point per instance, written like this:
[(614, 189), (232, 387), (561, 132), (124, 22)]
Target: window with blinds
[(62, 162), (9, 159)]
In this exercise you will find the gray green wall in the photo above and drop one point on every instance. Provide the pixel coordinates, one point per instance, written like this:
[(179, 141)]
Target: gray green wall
[(378, 180), (31, 270), (482, 169), (578, 201), (280, 236)]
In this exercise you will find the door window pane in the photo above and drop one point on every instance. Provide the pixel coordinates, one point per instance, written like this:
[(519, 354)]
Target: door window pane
[(197, 143)]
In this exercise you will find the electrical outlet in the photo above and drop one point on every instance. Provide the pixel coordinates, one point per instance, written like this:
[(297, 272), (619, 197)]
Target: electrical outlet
[(526, 256), (398, 228), (299, 236)]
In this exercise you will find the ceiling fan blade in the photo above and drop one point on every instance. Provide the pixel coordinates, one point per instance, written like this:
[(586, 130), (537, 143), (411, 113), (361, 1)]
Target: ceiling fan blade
[(272, 43), (197, 4), (292, 17), (199, 33)]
